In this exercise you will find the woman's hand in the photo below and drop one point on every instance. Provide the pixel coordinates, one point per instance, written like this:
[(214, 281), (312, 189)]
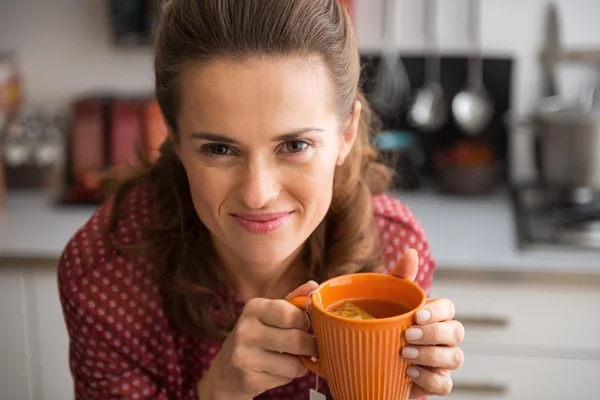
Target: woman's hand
[(261, 352), (433, 341)]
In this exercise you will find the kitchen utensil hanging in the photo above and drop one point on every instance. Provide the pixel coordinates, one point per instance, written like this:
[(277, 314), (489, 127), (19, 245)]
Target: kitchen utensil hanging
[(392, 87), (472, 107), (429, 110)]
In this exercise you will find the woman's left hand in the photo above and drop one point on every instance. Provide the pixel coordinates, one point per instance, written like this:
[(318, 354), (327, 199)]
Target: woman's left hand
[(433, 342)]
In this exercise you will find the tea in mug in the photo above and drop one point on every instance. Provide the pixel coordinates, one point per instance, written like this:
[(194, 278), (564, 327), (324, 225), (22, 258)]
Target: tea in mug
[(367, 308)]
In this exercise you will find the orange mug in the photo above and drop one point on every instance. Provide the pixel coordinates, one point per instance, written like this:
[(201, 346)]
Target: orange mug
[(360, 358)]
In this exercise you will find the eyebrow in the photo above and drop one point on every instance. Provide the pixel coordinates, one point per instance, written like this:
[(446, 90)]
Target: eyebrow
[(214, 137)]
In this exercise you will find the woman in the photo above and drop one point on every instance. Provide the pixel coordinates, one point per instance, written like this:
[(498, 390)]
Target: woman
[(174, 289)]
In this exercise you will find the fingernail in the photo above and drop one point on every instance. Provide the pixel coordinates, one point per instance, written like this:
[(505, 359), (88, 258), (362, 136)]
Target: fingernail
[(423, 316), (413, 334), (313, 283), (413, 372), (410, 352)]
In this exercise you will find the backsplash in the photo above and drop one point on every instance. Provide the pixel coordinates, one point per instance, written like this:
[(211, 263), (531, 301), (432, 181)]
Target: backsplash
[(497, 77)]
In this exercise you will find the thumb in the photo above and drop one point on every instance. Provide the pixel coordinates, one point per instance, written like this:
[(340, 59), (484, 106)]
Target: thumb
[(303, 290), (408, 265)]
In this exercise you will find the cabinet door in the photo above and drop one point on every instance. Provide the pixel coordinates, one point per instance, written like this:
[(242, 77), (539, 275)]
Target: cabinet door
[(51, 336), (15, 352), (551, 320), (487, 377)]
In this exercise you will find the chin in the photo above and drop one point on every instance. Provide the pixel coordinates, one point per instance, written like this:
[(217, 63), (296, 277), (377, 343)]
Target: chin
[(265, 253)]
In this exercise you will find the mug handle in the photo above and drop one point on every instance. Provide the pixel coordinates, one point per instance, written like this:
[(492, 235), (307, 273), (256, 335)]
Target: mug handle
[(300, 302)]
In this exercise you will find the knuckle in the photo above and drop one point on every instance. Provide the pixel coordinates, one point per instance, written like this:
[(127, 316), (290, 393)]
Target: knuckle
[(451, 308), (294, 342), (459, 358), (459, 332), (434, 356), (250, 383), (288, 314), (238, 359), (299, 369), (446, 386), (436, 333), (253, 306), (244, 333), (239, 338), (440, 385)]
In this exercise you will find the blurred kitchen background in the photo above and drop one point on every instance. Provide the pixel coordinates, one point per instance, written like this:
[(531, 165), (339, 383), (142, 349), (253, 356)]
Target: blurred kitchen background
[(489, 113)]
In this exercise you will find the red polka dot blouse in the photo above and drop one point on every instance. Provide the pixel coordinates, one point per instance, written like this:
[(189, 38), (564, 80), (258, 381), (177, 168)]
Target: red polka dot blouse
[(123, 346)]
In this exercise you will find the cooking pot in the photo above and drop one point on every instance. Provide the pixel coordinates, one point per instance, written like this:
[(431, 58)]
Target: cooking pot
[(567, 139)]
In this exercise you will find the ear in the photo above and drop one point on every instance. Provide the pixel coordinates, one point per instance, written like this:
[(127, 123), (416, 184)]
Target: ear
[(350, 132)]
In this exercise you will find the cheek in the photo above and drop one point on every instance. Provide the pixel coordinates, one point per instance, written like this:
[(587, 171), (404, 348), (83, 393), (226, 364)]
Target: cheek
[(207, 187), (313, 183)]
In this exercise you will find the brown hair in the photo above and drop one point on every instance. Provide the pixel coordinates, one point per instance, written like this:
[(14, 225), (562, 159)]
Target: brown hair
[(177, 242)]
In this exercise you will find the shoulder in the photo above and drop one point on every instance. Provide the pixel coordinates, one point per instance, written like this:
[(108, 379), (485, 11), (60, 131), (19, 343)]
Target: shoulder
[(113, 307), (399, 230), (132, 213), (96, 278), (389, 209)]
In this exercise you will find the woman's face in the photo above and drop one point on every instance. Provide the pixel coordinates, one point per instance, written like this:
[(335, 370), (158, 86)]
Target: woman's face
[(260, 141)]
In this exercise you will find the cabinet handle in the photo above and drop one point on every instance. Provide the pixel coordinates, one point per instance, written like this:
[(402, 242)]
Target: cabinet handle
[(491, 322), (483, 388)]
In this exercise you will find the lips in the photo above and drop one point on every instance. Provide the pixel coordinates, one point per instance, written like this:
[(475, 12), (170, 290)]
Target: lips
[(262, 223)]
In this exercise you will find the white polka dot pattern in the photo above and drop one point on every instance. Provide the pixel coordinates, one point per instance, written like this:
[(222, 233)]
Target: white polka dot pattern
[(123, 346)]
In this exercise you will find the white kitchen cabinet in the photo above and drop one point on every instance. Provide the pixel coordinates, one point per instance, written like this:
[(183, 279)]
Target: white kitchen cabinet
[(55, 380), (15, 352), (525, 339), (536, 319), (517, 378), (33, 338)]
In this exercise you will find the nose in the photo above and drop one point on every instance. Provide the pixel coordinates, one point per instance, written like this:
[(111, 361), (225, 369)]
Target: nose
[(259, 185)]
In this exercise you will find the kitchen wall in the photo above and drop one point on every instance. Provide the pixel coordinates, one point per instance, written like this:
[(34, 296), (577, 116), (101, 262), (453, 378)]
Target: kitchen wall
[(64, 45), (508, 27), (64, 49)]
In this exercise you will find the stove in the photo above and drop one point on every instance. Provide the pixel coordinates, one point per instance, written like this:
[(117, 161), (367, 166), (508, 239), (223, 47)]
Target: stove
[(557, 218)]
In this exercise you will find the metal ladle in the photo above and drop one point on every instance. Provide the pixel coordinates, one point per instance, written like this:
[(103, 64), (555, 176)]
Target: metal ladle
[(429, 111), (472, 108)]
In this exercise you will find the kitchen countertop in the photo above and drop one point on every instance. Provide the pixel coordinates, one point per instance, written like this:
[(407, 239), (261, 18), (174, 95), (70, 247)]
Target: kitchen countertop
[(481, 234), (33, 226), (465, 233)]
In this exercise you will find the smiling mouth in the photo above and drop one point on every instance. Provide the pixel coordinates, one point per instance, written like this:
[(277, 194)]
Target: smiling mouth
[(262, 223)]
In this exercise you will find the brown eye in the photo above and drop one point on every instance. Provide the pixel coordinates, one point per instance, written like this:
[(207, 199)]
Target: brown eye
[(294, 147), (218, 150)]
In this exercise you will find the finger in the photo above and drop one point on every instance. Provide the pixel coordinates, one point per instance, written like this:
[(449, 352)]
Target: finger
[(449, 333), (436, 310), (428, 382), (408, 265), (303, 290), (280, 365), (254, 383), (277, 314), (417, 392), (434, 356), (290, 341)]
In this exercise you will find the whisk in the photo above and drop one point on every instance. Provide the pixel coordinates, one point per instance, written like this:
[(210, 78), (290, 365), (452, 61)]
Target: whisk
[(392, 87)]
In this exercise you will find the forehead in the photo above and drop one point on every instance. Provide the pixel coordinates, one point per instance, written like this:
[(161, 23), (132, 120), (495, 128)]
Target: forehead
[(264, 93)]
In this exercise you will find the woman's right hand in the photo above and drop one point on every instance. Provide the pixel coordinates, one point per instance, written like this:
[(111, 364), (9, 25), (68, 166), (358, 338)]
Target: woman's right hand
[(261, 352)]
